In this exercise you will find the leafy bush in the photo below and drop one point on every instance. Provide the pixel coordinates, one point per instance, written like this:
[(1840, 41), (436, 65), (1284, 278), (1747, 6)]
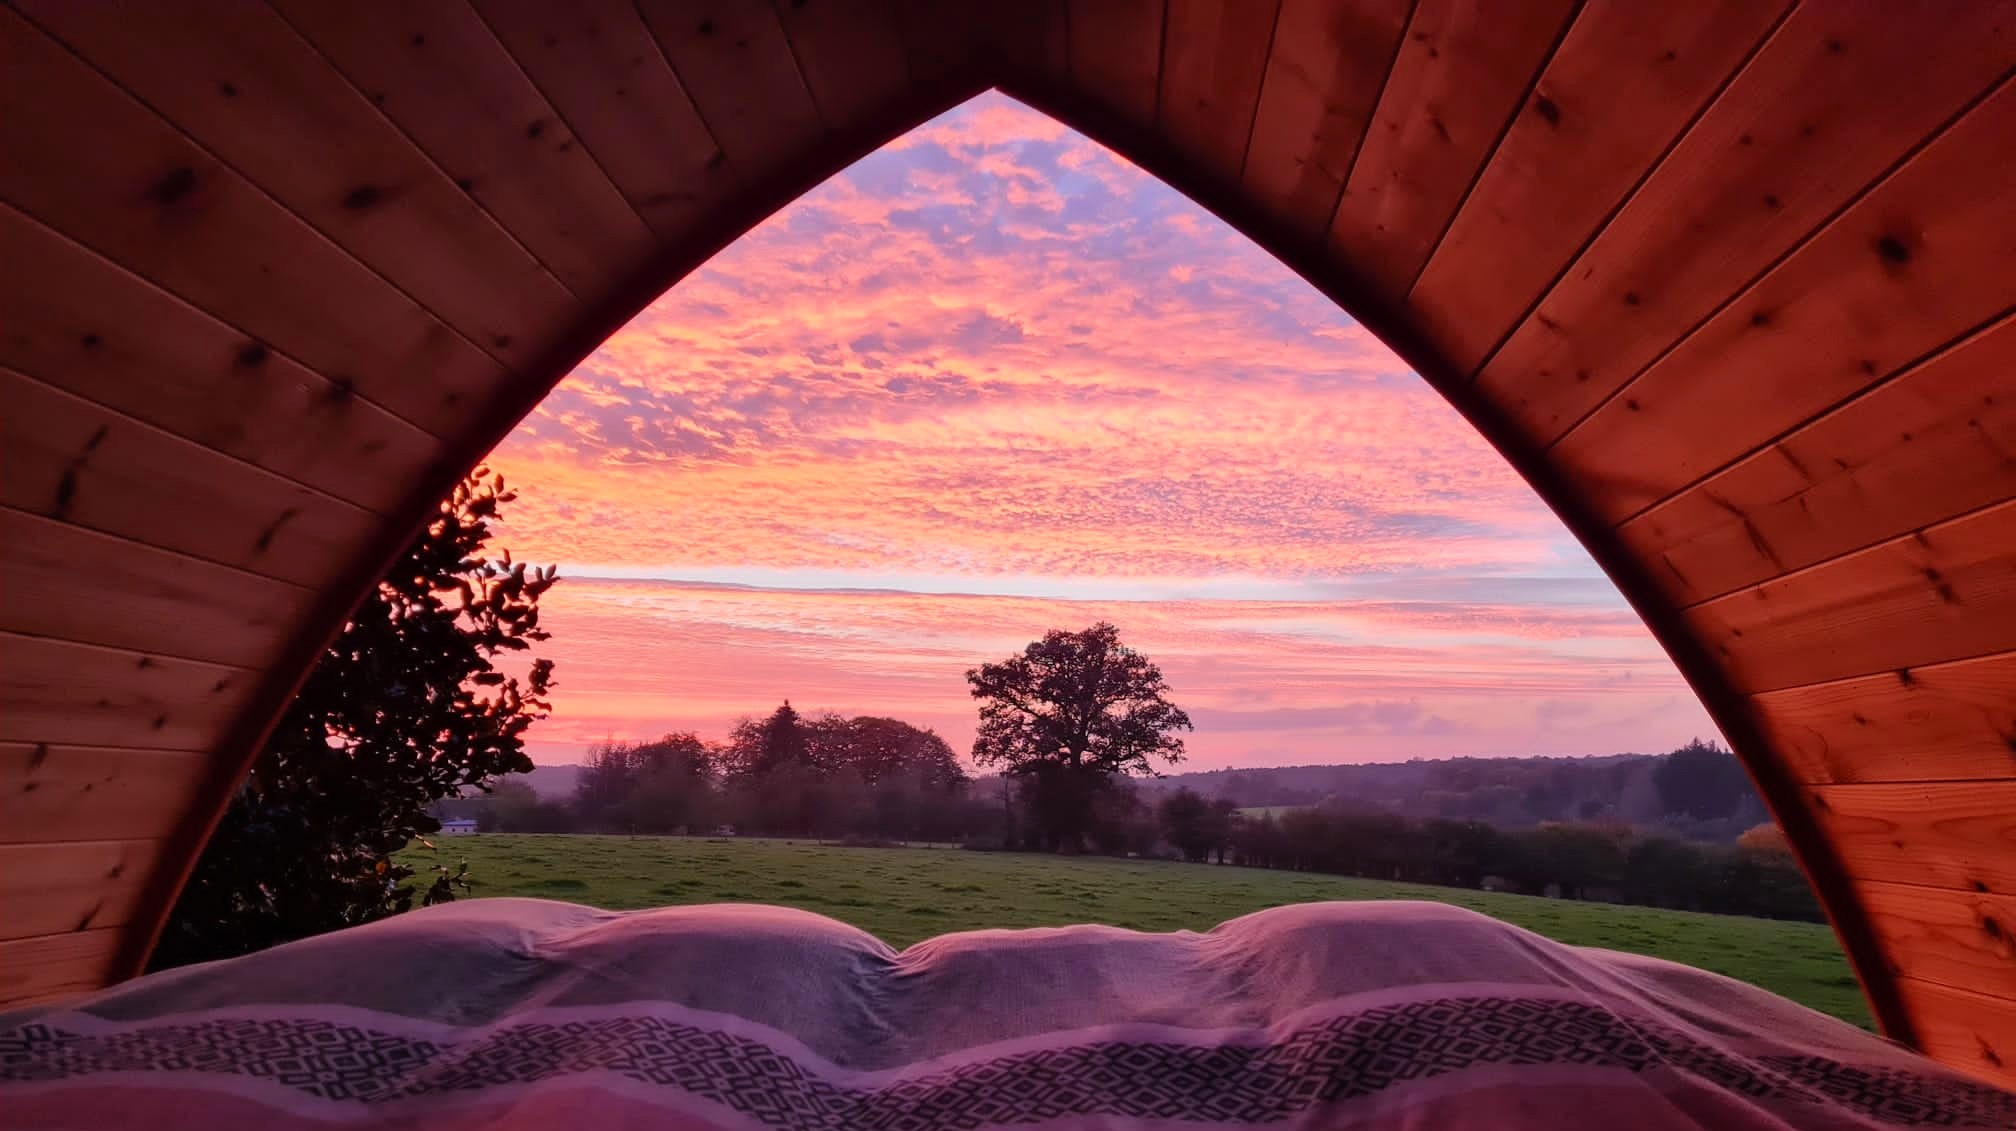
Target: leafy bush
[(407, 706)]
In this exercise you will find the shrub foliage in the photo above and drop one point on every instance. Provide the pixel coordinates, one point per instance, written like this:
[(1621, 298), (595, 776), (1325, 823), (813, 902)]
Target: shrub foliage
[(407, 706)]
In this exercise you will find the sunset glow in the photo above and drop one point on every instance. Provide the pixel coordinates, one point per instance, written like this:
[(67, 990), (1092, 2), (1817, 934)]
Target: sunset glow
[(994, 380)]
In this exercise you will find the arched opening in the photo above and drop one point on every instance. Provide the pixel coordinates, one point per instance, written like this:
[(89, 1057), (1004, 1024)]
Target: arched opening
[(995, 360), (1818, 203), (993, 380)]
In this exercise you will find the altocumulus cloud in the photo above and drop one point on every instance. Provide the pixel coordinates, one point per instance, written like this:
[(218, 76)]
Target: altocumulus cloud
[(993, 380)]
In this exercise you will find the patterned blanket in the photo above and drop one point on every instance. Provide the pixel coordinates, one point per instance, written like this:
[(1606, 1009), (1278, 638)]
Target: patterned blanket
[(525, 1013)]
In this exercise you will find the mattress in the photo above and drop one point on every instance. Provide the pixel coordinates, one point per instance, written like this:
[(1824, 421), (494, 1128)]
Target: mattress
[(504, 1013)]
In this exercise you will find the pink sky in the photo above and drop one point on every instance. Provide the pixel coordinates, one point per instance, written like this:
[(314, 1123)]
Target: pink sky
[(994, 380)]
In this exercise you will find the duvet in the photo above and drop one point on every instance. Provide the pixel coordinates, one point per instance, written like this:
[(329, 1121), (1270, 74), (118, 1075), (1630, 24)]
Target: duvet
[(506, 1013)]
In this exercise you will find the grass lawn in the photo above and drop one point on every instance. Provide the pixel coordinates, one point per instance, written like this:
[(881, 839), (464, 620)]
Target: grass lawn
[(903, 895)]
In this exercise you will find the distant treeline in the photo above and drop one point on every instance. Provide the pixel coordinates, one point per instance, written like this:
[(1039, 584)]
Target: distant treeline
[(881, 779), (784, 775), (1603, 861), (1606, 862), (1699, 792)]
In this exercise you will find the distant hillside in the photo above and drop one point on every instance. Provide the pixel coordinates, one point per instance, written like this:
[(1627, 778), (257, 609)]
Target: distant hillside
[(1699, 792), (551, 783)]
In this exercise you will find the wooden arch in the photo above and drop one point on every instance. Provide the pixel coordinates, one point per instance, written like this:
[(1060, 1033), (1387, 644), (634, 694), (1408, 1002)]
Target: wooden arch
[(1729, 284)]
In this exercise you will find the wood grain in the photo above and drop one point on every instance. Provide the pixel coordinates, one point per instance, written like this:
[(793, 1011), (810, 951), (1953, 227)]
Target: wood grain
[(1956, 938), (439, 73), (62, 693), (1838, 95), (1116, 55), (1955, 835), (1329, 63), (46, 889), (1971, 1031), (60, 793), (1941, 722), (65, 582), (734, 62), (118, 179), (852, 57), (1627, 80), (1945, 593), (1213, 57), (64, 458), (53, 967), (1920, 262), (250, 90), (1936, 442), (598, 65), (1462, 73), (78, 322)]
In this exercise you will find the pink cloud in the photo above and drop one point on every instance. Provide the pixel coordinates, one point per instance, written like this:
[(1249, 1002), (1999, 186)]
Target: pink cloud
[(994, 359), (1267, 681)]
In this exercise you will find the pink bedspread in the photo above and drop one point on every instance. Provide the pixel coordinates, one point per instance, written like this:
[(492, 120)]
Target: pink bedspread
[(523, 1013)]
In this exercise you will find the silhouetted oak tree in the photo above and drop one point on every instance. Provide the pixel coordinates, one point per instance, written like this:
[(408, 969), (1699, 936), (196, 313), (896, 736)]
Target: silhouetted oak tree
[(1070, 712), (405, 707)]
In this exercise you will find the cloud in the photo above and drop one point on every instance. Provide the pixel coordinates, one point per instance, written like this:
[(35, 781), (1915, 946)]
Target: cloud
[(1302, 681), (994, 352), (1374, 717)]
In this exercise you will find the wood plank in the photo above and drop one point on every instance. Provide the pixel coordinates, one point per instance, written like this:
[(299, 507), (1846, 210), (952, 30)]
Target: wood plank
[(110, 174), (1945, 593), (1329, 63), (1462, 72), (1947, 721), (943, 43), (596, 62), (1213, 58), (1938, 441), (1957, 835), (62, 693), (1627, 79), (65, 458), (75, 886), (1034, 40), (1918, 263), (1116, 56), (76, 321), (1839, 94), (1955, 938), (1973, 1032), (52, 967), (734, 62), (852, 56), (244, 85), (68, 583), (438, 72), (61, 793)]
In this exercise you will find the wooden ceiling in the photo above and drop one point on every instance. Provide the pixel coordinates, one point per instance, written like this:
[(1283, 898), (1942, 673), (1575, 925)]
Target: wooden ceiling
[(1730, 284)]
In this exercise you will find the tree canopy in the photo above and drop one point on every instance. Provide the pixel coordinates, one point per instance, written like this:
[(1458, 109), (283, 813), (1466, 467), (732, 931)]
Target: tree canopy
[(407, 706), (1702, 779), (869, 777), (1072, 711), (765, 746), (876, 748)]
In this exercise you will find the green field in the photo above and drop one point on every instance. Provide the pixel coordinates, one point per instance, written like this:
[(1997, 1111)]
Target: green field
[(903, 895)]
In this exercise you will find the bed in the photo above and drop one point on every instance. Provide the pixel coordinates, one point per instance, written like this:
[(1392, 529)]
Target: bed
[(501, 1013)]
